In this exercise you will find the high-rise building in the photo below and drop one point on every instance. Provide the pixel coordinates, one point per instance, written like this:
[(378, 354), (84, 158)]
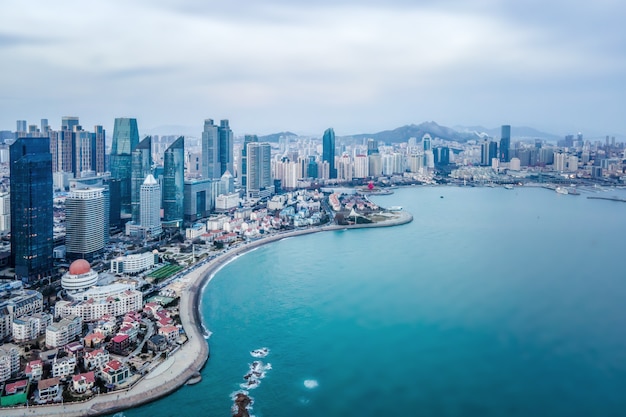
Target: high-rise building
[(211, 166), (150, 199), (173, 184), (69, 122), (83, 149), (31, 208), (426, 142), (505, 143), (328, 151), (259, 170), (86, 223), (44, 125), (21, 126), (5, 212), (244, 159), (141, 168), (226, 147), (372, 147), (125, 139), (98, 149)]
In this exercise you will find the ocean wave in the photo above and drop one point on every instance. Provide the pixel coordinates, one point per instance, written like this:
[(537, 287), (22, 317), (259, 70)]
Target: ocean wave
[(260, 353), (311, 383)]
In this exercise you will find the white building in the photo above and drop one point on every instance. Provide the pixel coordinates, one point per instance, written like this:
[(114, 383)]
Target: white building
[(21, 303), (361, 167), (61, 333), (225, 202), (96, 359), (150, 203), (79, 277), (9, 361), (133, 264), (5, 212), (30, 327), (114, 299), (63, 367), (86, 228)]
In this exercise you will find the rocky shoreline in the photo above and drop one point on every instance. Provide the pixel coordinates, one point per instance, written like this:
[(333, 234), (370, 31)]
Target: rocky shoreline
[(188, 361)]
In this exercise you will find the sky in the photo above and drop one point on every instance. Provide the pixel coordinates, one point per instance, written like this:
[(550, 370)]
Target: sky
[(359, 66)]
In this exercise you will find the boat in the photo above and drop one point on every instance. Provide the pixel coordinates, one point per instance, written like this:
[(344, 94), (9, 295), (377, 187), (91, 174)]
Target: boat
[(395, 208), (561, 190), (508, 186)]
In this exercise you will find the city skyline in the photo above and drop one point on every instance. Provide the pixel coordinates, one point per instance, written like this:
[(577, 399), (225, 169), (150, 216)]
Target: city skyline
[(359, 67)]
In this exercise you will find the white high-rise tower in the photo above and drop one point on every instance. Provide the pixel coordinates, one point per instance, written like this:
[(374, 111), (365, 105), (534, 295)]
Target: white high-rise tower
[(150, 206)]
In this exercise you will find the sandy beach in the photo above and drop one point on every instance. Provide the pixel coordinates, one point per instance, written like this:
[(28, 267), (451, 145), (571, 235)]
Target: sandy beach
[(176, 370)]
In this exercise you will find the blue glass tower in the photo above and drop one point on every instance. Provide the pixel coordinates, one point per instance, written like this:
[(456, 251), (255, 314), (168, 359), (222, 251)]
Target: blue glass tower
[(174, 184), (211, 167), (141, 168), (125, 140), (226, 147), (31, 208), (505, 143), (328, 151)]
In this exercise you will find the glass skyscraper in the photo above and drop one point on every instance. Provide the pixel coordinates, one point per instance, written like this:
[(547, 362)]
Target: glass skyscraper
[(505, 143), (243, 162), (226, 147), (211, 166), (141, 168), (125, 140), (173, 184), (31, 208), (328, 151), (86, 223)]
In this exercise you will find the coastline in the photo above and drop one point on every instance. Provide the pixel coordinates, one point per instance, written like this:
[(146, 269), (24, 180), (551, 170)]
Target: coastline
[(186, 362)]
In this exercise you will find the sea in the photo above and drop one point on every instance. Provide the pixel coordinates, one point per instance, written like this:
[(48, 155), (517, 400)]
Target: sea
[(492, 302)]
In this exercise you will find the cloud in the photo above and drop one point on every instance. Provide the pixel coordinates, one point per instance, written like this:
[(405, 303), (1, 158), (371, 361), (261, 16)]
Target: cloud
[(361, 65)]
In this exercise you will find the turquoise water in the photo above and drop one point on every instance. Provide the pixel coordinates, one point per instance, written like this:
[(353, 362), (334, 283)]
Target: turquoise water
[(492, 302)]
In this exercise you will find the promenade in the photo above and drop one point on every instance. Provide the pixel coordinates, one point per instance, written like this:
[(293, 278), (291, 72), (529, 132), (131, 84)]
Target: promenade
[(176, 370)]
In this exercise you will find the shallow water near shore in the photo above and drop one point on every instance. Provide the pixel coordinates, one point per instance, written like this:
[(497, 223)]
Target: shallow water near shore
[(492, 302)]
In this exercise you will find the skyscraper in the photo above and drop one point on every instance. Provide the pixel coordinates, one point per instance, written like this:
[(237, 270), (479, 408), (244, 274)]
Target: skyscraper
[(31, 208), (98, 146), (211, 166), (259, 171), (86, 223), (505, 143), (21, 126), (173, 184), (243, 169), (125, 139), (150, 202), (226, 147), (68, 123), (141, 168), (328, 151)]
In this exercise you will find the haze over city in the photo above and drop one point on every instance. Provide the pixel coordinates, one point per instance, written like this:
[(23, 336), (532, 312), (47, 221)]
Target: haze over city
[(357, 66)]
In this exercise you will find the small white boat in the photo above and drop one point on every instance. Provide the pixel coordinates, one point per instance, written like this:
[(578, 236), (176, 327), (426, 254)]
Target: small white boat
[(561, 190)]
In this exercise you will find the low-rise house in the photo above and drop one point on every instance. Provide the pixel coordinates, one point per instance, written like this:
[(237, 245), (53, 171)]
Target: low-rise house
[(152, 308), (81, 383), (157, 343), (15, 393), (171, 333), (115, 372), (94, 340), (34, 370), (63, 367), (75, 349), (96, 359), (48, 389), (120, 344), (130, 329)]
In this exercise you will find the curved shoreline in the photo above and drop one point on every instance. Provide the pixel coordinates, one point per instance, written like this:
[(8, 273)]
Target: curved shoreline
[(187, 361)]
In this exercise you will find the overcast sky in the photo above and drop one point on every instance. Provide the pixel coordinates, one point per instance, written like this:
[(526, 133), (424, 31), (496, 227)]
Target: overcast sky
[(355, 65)]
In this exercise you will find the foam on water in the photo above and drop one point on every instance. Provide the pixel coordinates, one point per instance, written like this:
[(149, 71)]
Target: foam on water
[(311, 383)]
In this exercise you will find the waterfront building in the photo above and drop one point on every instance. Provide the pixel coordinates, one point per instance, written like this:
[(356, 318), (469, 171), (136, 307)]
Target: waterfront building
[(134, 263), (96, 359), (115, 372), (125, 140), (93, 304), (328, 151), (140, 169), (211, 165), (61, 333), (79, 277), (150, 207), (82, 383), (505, 143), (361, 166), (244, 159), (86, 223), (63, 367), (31, 209), (48, 389), (259, 182), (173, 184)]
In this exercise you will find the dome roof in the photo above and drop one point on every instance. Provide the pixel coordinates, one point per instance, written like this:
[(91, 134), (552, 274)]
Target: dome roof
[(79, 267)]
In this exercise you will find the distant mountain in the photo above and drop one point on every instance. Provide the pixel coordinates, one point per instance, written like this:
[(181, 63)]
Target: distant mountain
[(275, 136), (403, 133), (517, 132)]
